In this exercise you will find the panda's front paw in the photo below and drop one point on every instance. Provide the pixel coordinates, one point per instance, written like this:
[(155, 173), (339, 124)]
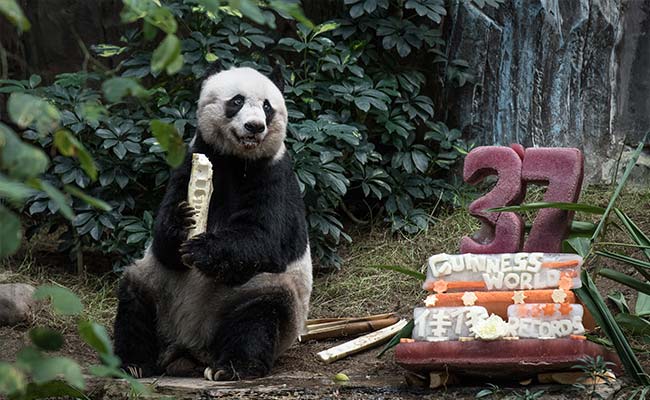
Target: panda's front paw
[(181, 220), (196, 252)]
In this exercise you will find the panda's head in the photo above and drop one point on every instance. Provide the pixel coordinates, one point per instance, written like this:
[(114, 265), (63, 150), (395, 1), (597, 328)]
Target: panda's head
[(242, 112)]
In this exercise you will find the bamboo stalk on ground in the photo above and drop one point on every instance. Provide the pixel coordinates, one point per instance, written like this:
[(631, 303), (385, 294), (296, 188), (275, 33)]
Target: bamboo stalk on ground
[(341, 327)]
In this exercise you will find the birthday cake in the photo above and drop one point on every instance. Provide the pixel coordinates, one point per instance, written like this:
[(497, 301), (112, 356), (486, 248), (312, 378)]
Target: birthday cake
[(510, 313)]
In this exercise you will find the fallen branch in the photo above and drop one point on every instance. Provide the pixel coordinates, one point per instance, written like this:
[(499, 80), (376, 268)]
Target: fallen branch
[(347, 328)]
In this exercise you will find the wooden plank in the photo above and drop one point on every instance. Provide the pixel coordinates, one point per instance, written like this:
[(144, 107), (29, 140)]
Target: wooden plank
[(361, 343)]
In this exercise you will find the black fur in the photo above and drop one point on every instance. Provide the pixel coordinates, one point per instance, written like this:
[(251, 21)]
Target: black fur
[(136, 340), (246, 345), (256, 219)]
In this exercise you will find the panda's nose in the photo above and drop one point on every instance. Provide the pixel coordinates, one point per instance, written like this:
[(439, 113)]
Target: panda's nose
[(254, 127)]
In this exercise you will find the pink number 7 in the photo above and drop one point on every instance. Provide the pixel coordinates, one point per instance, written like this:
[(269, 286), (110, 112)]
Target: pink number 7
[(500, 232), (562, 170)]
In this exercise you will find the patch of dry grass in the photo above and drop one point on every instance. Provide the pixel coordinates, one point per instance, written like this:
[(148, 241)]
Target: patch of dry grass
[(97, 293)]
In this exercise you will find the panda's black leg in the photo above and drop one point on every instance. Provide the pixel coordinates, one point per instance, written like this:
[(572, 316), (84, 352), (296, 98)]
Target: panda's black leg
[(135, 331), (246, 344)]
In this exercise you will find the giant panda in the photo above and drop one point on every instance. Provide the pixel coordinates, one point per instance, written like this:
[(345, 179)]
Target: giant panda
[(228, 302)]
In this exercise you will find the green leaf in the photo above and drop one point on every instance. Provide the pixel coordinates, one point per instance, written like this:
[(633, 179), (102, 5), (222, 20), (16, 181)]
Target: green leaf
[(167, 55), (63, 300), (117, 88), (163, 19), (10, 232), (12, 380), (51, 368), (106, 371), (405, 332), (634, 231), (94, 202), (625, 280), (57, 197), (325, 27), (170, 141), (46, 339), (19, 159), (582, 228), (579, 245), (620, 301), (249, 9), (586, 208), (293, 10), (69, 146), (642, 307), (53, 389), (14, 191), (406, 271), (341, 377), (13, 12), (27, 110), (643, 267), (619, 188), (96, 336), (634, 324), (591, 298)]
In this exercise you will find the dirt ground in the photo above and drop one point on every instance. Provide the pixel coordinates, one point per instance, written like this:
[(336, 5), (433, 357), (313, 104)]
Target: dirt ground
[(355, 290)]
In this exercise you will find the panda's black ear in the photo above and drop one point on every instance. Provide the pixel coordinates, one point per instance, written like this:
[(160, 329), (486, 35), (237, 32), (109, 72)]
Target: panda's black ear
[(277, 78), (212, 69)]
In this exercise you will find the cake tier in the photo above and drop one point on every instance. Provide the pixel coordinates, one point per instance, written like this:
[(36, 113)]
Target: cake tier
[(512, 359)]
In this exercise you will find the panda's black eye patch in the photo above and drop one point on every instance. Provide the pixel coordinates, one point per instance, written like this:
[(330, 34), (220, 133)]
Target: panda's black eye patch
[(234, 105), (269, 111)]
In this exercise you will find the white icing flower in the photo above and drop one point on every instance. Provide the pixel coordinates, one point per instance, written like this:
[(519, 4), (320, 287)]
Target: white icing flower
[(491, 328)]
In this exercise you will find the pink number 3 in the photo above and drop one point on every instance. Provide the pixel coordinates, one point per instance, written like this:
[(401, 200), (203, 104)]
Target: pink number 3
[(560, 168)]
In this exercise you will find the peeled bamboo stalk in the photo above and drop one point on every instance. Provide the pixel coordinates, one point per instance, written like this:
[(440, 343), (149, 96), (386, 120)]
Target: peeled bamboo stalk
[(199, 192), (348, 329), (320, 321), (361, 343)]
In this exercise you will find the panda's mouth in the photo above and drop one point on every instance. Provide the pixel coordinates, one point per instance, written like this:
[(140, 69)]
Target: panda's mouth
[(248, 141)]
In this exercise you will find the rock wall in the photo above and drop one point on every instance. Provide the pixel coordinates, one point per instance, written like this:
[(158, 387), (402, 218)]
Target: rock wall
[(555, 73)]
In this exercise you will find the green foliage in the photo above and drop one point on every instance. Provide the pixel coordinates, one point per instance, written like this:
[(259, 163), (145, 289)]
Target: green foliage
[(37, 374), (362, 129)]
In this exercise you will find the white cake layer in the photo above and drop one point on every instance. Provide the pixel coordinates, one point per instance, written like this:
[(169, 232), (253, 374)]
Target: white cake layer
[(545, 320), (508, 271), (446, 323), (199, 192)]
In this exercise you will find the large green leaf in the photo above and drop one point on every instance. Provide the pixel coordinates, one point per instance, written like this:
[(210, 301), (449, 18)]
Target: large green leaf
[(12, 380), (591, 298), (46, 338), (18, 159), (10, 232), (27, 110), (625, 280), (96, 336), (69, 146), (578, 245), (293, 10), (586, 208), (619, 188), (170, 141), (642, 307), (14, 191), (167, 56), (249, 9), (52, 368), (13, 12), (115, 89), (63, 300), (633, 323)]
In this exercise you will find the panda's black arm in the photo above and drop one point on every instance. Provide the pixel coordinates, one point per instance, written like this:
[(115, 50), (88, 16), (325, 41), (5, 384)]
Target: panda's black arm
[(250, 243), (170, 230)]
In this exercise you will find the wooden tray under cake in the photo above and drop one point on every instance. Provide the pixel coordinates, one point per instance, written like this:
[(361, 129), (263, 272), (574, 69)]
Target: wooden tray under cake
[(512, 359)]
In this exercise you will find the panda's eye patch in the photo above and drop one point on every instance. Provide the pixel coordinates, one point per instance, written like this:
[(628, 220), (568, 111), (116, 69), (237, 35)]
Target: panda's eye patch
[(234, 105), (267, 106), (237, 100)]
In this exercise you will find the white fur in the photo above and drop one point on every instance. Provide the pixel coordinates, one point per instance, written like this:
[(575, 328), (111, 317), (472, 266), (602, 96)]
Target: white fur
[(221, 132)]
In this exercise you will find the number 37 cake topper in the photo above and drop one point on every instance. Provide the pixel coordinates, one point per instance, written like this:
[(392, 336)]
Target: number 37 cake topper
[(561, 169)]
